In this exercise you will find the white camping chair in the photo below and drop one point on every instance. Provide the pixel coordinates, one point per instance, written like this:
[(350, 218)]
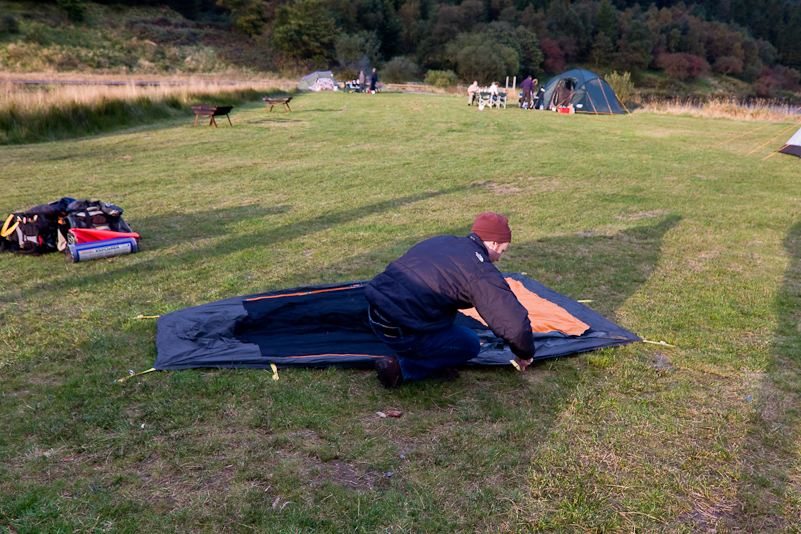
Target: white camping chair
[(501, 99)]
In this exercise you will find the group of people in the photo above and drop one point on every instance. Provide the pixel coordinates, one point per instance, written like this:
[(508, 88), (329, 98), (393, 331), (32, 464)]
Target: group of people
[(530, 99), (474, 90), (358, 85)]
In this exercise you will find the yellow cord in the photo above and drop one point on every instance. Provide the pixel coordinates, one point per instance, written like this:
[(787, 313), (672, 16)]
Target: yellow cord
[(275, 371), (659, 343), (131, 374), (140, 316), (515, 364)]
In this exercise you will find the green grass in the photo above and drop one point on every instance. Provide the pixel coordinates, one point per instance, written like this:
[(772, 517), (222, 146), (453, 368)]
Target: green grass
[(667, 235), (70, 119)]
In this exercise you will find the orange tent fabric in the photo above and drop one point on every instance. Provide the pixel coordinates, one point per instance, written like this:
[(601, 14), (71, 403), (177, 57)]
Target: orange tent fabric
[(89, 235), (545, 316)]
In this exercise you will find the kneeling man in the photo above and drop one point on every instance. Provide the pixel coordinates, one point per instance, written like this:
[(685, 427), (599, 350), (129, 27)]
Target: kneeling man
[(414, 302)]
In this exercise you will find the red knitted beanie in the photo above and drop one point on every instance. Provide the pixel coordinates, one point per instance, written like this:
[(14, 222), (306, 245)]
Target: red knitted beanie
[(492, 227)]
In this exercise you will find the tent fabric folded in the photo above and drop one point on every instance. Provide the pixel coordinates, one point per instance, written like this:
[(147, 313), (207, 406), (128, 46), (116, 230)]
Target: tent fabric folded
[(321, 326)]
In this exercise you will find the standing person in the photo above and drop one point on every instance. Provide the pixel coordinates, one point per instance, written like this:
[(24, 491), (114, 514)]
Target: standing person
[(361, 81), (538, 104), (373, 81), (526, 86), (413, 304), (472, 91)]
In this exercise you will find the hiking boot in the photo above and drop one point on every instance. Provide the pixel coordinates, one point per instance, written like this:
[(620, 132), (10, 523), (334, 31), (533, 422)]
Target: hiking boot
[(389, 371), (446, 374)]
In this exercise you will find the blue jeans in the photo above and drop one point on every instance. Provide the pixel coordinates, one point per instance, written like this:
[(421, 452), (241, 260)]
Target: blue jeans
[(422, 353)]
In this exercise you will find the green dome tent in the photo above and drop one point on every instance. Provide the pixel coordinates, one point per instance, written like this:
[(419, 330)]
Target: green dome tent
[(588, 92)]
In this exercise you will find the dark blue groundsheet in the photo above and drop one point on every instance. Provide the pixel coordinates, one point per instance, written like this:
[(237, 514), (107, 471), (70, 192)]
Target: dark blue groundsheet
[(320, 326)]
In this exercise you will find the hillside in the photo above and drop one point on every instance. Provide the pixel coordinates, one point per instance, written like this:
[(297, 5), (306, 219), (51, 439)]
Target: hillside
[(121, 39), (670, 51)]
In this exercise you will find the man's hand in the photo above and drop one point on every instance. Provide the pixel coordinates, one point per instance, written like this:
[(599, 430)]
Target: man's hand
[(522, 364)]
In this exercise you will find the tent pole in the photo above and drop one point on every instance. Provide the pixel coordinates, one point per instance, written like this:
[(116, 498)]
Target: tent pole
[(619, 101), (604, 93)]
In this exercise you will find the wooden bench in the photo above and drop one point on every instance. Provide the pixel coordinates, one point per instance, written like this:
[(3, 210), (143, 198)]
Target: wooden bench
[(274, 101), (206, 110)]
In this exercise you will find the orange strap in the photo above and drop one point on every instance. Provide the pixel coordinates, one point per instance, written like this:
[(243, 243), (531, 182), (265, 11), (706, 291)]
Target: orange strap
[(8, 227), (304, 293)]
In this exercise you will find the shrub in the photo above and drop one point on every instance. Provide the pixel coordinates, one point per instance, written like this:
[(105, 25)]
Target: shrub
[(8, 25), (346, 74), (67, 60), (357, 51), (682, 66), (728, 65), (247, 16), (37, 33), (441, 78), (778, 78), (554, 55), (304, 30), (76, 9), (621, 84), (400, 69)]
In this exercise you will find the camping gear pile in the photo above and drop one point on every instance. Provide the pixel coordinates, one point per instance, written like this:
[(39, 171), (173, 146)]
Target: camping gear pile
[(82, 229)]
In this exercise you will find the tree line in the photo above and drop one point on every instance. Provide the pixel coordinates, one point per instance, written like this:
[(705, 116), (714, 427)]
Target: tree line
[(757, 41)]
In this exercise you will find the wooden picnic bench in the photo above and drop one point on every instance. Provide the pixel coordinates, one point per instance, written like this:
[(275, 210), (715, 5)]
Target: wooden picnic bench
[(275, 100), (207, 110)]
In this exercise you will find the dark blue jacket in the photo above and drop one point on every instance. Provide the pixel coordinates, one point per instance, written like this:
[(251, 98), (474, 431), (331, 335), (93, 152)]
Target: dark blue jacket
[(423, 289)]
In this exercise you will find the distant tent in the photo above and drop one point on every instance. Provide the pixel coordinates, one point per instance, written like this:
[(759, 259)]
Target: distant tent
[(588, 92), (307, 83), (320, 326), (793, 146)]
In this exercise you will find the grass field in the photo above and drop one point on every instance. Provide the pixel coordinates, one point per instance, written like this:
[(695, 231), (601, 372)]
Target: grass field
[(669, 235), (32, 113)]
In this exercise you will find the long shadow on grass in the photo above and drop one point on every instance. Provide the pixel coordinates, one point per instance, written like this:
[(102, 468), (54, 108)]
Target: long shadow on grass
[(607, 269), (460, 454), (769, 487), (216, 222), (160, 232), (472, 438)]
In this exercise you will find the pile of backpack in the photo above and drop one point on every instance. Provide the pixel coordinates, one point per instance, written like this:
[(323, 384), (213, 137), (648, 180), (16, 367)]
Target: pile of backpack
[(56, 226)]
